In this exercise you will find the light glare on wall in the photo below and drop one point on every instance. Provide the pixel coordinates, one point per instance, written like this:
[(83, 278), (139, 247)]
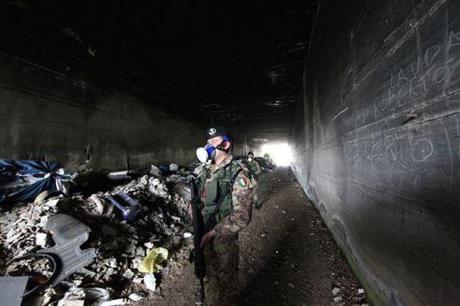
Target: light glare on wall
[(281, 153)]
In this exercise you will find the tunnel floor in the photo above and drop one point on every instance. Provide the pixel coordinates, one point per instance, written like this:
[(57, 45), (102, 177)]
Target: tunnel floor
[(287, 256)]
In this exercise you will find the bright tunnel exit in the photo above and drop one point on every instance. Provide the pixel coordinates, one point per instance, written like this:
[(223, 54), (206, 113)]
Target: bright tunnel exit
[(280, 153)]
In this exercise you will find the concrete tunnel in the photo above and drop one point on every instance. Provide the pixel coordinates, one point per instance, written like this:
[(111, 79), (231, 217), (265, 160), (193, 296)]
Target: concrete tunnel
[(365, 93)]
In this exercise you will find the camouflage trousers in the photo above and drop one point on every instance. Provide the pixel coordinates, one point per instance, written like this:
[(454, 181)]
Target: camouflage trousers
[(255, 185), (221, 281)]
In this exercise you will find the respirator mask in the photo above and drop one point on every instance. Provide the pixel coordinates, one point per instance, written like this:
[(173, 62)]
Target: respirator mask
[(208, 152)]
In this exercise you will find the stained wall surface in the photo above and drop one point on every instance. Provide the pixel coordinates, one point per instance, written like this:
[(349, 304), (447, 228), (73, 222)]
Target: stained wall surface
[(377, 142), (57, 103)]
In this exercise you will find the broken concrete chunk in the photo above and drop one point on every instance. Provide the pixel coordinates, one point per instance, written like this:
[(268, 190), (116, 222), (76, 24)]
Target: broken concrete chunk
[(128, 274), (40, 239), (173, 167), (140, 251), (154, 170), (157, 188), (71, 303), (115, 302), (97, 295), (73, 297), (136, 297), (109, 272), (136, 262), (53, 202), (43, 221), (148, 245), (137, 280), (98, 203), (335, 291), (111, 262), (337, 299)]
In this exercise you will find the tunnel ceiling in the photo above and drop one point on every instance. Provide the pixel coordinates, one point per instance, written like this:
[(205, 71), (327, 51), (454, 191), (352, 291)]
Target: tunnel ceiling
[(241, 64)]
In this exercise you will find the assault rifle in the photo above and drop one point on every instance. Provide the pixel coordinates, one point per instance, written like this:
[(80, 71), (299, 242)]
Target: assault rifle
[(198, 233)]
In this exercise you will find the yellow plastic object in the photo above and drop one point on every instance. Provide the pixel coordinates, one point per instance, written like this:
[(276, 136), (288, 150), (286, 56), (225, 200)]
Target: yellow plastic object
[(152, 262)]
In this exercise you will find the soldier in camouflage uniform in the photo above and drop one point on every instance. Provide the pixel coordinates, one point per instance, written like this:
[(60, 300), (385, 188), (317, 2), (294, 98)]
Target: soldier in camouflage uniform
[(254, 171), (220, 245)]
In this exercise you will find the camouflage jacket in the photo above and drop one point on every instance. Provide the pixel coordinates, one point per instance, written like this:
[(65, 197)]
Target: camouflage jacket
[(254, 166), (235, 212)]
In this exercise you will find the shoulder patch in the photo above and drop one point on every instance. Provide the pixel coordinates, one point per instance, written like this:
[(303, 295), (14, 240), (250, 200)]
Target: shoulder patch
[(243, 181)]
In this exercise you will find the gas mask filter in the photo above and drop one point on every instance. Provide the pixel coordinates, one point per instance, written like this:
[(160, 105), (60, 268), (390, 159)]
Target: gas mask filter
[(205, 153)]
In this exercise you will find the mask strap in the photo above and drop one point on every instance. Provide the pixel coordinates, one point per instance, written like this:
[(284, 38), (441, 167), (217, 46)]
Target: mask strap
[(221, 147)]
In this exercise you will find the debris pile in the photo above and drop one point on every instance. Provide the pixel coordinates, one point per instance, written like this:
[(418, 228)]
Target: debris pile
[(135, 230)]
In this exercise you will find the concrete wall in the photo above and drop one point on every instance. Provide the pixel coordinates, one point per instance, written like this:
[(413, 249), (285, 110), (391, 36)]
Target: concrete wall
[(55, 101), (377, 142)]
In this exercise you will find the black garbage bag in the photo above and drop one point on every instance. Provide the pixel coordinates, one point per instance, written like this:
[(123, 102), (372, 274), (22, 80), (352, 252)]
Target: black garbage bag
[(23, 180)]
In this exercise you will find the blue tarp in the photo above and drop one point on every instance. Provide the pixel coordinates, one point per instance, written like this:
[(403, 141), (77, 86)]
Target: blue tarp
[(23, 180)]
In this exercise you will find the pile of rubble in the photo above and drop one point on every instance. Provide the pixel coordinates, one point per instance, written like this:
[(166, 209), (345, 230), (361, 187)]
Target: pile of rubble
[(135, 230)]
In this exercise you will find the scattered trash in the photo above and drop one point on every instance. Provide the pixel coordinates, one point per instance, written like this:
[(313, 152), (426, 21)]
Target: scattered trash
[(40, 199), (12, 289), (24, 180), (152, 262), (151, 218), (119, 175), (150, 282), (361, 291), (129, 212), (68, 234), (41, 269)]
